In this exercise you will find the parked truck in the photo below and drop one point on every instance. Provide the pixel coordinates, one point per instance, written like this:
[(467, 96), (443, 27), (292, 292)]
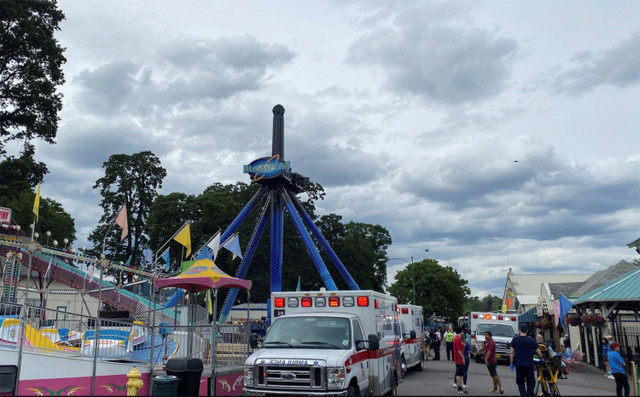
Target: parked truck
[(327, 343), (503, 328), (412, 337)]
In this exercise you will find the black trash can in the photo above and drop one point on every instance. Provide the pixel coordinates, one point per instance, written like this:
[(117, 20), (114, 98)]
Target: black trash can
[(164, 385), (178, 368), (188, 371), (192, 376)]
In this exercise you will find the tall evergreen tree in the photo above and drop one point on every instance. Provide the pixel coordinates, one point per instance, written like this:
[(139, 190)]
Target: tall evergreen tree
[(133, 180)]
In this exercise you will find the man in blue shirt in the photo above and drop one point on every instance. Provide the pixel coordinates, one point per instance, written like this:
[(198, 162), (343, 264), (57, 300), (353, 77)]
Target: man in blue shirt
[(616, 364), (521, 355)]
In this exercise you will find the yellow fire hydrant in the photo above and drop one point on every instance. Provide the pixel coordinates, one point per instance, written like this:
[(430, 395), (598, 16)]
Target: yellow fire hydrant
[(135, 383)]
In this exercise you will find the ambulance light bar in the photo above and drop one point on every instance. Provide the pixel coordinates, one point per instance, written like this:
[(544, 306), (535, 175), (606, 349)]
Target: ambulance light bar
[(321, 301), (491, 316)]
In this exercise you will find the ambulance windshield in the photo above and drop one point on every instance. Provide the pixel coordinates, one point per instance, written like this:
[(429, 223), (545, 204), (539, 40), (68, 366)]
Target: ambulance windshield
[(496, 330), (309, 332)]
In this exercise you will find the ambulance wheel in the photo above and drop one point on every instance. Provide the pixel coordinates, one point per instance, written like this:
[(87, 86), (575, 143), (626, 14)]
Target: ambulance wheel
[(404, 367), (419, 366), (353, 391)]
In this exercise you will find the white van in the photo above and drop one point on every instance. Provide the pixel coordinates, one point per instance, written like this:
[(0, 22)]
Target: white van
[(503, 328), (327, 343), (412, 337)]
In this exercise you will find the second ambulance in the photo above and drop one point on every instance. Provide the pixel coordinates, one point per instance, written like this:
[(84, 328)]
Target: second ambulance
[(412, 334), (327, 343)]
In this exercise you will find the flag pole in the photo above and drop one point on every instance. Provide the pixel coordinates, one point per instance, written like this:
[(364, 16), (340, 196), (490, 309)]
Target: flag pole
[(113, 222), (155, 256), (103, 265)]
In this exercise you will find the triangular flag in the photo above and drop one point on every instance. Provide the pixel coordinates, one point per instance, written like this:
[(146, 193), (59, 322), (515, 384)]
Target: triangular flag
[(214, 244), (298, 287), (36, 203), (128, 262), (565, 306), (233, 245), (121, 221), (556, 312), (184, 238), (165, 258), (48, 273), (204, 253), (504, 308)]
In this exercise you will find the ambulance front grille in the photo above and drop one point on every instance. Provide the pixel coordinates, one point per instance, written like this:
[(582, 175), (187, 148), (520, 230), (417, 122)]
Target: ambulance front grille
[(291, 378)]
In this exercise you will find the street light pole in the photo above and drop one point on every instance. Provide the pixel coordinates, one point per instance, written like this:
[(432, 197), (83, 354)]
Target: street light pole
[(413, 282)]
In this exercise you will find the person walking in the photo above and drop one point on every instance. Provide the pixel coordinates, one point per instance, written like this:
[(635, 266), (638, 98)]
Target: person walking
[(467, 360), (448, 339), (617, 364), (521, 356), (458, 359), (435, 344), (604, 353), (491, 362)]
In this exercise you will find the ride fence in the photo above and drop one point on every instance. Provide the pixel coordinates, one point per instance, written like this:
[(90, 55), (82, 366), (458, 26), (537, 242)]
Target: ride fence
[(67, 333), (194, 341), (630, 343)]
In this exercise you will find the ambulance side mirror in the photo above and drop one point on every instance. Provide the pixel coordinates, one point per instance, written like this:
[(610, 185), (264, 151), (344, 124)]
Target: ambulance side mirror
[(412, 334), (374, 342), (253, 340)]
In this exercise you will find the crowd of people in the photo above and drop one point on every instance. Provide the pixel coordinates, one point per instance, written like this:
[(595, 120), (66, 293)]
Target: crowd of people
[(525, 352)]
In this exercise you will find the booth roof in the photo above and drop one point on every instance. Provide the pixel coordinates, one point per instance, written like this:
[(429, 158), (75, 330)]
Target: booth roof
[(202, 275)]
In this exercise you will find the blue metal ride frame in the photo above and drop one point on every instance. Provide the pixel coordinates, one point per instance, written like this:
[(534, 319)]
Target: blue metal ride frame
[(246, 261), (243, 214), (306, 238), (325, 244), (277, 226)]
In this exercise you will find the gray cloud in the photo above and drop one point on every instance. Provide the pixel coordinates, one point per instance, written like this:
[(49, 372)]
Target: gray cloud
[(194, 74), (618, 67), (438, 59)]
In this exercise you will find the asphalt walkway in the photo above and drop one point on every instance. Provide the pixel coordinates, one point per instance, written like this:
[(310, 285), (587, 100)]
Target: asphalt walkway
[(437, 377)]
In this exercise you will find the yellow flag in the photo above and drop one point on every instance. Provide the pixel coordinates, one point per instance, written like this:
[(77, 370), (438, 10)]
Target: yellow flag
[(504, 308), (184, 238), (209, 303), (36, 203)]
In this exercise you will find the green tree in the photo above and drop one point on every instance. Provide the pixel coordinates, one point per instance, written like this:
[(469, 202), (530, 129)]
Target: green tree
[(358, 245), (30, 71), (51, 217), (133, 180), (20, 174), (489, 303), (439, 289)]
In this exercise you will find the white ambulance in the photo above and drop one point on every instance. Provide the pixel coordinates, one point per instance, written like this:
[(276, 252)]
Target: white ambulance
[(412, 337), (503, 328), (327, 343)]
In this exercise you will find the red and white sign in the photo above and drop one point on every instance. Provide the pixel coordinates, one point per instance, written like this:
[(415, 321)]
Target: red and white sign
[(5, 215)]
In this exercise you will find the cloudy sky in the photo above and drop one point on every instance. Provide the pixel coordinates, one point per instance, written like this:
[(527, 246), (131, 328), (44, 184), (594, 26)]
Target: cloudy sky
[(495, 134)]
